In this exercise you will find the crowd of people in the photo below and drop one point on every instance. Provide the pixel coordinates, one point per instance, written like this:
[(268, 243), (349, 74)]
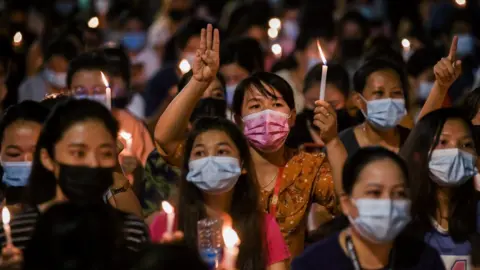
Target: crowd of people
[(333, 134)]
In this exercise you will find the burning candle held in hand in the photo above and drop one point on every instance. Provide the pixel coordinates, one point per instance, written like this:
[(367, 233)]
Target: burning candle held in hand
[(108, 91), (128, 140), (168, 209), (324, 72), (6, 226), (230, 252)]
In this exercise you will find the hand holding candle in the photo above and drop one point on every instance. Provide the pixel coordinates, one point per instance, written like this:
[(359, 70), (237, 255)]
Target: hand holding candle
[(168, 209), (6, 226), (230, 251), (324, 72), (108, 92), (128, 140)]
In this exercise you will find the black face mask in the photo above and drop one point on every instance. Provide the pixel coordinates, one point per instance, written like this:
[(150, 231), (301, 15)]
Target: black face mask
[(85, 185), (352, 48), (209, 107), (178, 14)]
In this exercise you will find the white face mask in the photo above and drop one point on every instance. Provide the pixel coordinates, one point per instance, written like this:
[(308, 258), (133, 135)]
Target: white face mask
[(214, 174), (98, 98), (424, 90), (230, 94), (381, 220), (56, 79), (466, 45), (313, 61), (385, 113), (452, 167)]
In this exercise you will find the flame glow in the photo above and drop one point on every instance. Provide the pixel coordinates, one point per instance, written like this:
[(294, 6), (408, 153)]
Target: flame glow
[(230, 237), (275, 23), (93, 22), (461, 2), (277, 49), (125, 135), (104, 79), (405, 43), (167, 208), (272, 33), (322, 56), (18, 37), (184, 66), (5, 215)]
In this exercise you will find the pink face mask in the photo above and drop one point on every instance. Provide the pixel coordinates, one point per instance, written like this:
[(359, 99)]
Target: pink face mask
[(266, 130)]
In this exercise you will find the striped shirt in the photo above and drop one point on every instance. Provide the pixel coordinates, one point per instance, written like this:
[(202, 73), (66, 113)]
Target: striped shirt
[(23, 226)]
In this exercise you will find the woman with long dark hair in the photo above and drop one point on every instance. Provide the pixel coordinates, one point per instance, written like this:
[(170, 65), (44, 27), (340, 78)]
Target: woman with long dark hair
[(441, 155), (377, 204), (219, 177)]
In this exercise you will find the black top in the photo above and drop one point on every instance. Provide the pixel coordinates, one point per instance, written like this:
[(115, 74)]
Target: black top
[(410, 254), (351, 143)]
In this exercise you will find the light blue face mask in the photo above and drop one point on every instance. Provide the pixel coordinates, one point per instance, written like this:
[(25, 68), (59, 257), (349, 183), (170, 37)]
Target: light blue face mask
[(381, 220), (230, 94), (385, 113), (313, 61), (98, 98), (452, 167), (134, 41), (15, 174), (465, 45), (291, 29), (214, 174), (424, 90)]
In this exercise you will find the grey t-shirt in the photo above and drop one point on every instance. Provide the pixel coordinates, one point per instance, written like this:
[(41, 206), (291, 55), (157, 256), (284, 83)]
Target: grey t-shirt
[(33, 88)]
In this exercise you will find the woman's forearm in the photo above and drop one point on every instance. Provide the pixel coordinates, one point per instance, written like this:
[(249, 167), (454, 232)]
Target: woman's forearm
[(174, 121), (337, 154)]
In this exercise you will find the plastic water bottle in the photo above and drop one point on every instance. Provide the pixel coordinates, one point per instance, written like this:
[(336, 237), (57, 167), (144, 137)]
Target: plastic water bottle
[(210, 241)]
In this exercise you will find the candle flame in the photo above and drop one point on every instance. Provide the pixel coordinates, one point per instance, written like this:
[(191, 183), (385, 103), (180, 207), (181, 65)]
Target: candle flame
[(5, 215), (93, 22), (230, 237), (17, 38), (104, 79), (125, 135), (167, 208), (184, 66), (324, 60)]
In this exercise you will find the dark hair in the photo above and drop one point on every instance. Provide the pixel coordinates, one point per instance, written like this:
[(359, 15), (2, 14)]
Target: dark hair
[(245, 213), (42, 182), (337, 75), (94, 60), (257, 81), (6, 52), (421, 60), (187, 76), (361, 76), (246, 16), (470, 103), (170, 256), (245, 52), (308, 35), (68, 236), (180, 39), (358, 18), (380, 49), (119, 63), (24, 111), (61, 47), (50, 101), (416, 152)]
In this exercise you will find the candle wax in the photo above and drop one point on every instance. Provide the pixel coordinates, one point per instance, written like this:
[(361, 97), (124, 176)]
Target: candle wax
[(323, 82)]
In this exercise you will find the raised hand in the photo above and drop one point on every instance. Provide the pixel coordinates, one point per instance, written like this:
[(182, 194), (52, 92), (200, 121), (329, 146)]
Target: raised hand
[(448, 69), (325, 119), (207, 58)]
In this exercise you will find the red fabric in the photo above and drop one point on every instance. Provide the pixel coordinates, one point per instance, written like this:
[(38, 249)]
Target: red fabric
[(277, 248)]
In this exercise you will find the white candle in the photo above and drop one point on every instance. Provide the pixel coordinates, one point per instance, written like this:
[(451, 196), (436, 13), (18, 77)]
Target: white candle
[(323, 82), (108, 91), (230, 251), (406, 49), (128, 140), (168, 209), (6, 226)]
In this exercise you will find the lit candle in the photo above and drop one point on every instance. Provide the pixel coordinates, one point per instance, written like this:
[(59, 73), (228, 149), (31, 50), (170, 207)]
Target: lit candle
[(168, 209), (277, 50), (128, 140), (230, 251), (17, 39), (6, 226), (184, 66), (108, 91), (324, 72), (93, 22), (406, 49)]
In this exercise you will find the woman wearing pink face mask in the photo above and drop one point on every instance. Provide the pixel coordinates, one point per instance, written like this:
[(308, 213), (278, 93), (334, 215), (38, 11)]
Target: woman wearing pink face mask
[(264, 108)]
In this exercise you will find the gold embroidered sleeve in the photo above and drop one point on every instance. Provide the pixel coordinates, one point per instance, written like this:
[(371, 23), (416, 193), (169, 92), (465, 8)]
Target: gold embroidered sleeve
[(323, 188)]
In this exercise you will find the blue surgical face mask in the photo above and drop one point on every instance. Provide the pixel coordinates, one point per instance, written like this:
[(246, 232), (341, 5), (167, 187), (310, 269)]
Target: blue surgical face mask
[(230, 94), (214, 174), (98, 98), (134, 41), (465, 45), (385, 113), (56, 79), (452, 167), (313, 61), (15, 174), (424, 90), (291, 29), (64, 8), (381, 220)]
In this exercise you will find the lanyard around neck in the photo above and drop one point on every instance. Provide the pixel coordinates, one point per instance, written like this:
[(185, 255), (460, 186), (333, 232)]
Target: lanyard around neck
[(352, 253)]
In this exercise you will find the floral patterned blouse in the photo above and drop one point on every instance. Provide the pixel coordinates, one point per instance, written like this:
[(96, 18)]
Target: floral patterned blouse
[(306, 179)]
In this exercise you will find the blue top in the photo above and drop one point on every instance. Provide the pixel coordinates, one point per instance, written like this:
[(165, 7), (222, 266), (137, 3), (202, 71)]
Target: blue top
[(328, 254), (454, 255)]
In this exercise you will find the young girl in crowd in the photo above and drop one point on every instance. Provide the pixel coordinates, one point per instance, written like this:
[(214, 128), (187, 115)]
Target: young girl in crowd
[(264, 108), (218, 177), (19, 131), (74, 161), (377, 203), (441, 156)]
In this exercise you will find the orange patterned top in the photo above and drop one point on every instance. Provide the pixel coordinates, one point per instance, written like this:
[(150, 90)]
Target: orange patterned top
[(307, 178)]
